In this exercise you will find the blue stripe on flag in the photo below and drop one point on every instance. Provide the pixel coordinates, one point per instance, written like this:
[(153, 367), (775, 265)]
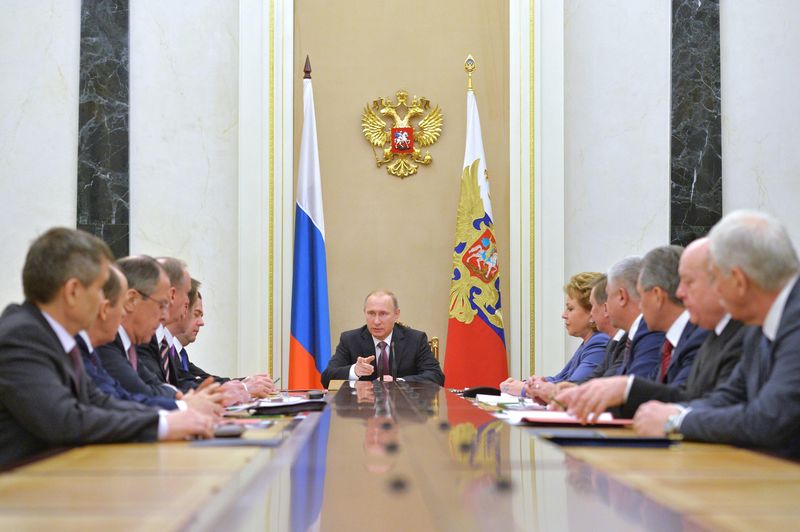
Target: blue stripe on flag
[(310, 319)]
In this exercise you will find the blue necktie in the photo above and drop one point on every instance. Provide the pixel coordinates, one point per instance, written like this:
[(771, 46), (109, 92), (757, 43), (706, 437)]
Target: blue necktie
[(184, 359)]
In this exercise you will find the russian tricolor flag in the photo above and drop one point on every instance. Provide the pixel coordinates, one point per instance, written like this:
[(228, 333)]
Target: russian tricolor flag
[(310, 343)]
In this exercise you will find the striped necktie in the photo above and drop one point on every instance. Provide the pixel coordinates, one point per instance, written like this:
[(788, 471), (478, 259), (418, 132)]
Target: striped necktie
[(164, 358)]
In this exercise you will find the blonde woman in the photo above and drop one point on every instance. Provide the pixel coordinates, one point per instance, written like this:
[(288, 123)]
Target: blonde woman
[(578, 322)]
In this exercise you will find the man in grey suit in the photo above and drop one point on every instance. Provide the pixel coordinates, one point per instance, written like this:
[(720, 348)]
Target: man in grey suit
[(755, 270), (46, 398), (383, 348)]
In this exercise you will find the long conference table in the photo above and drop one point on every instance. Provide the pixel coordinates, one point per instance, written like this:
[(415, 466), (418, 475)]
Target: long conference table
[(394, 456)]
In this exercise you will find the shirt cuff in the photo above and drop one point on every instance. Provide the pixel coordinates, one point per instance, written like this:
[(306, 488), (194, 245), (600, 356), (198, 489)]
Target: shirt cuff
[(353, 376), (628, 387), (163, 424), (681, 416), (182, 405)]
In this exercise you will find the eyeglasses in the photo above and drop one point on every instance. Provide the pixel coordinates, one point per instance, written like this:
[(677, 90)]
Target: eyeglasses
[(163, 304)]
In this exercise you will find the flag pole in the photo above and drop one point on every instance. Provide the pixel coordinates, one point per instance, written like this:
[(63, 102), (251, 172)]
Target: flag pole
[(469, 66), (307, 69)]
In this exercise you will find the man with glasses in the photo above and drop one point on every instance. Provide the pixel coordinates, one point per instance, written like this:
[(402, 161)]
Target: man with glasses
[(157, 355), (146, 304)]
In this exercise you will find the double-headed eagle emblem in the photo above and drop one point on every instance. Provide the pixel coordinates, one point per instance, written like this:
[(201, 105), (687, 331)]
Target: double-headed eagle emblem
[(401, 137)]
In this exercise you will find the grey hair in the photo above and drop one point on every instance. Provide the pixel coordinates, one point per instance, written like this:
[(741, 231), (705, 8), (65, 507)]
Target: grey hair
[(626, 272), (174, 268), (758, 244), (660, 268), (142, 273)]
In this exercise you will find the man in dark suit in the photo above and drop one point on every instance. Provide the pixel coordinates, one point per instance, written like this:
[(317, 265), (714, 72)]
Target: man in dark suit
[(185, 333), (383, 348), (755, 270), (146, 305), (104, 329), (714, 361), (663, 310), (641, 350), (158, 356), (46, 399)]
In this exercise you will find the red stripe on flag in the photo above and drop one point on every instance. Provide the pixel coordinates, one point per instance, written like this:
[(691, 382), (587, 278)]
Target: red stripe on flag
[(475, 355), (303, 374)]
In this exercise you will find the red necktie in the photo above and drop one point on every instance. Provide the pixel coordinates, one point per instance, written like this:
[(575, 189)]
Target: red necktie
[(77, 365), (666, 354), (384, 359), (132, 358)]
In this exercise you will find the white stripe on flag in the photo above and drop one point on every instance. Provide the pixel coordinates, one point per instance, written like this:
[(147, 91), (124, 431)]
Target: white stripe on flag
[(474, 150), (309, 182)]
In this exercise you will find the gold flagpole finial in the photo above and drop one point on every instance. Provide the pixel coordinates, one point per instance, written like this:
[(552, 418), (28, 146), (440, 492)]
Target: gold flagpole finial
[(469, 66)]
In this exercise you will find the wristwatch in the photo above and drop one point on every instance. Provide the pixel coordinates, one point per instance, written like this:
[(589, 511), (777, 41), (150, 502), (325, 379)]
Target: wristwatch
[(671, 424)]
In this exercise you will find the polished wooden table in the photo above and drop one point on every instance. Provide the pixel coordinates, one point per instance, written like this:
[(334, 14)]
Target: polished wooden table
[(401, 457)]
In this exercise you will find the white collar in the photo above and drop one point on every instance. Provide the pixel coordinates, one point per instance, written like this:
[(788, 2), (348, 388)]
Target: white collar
[(161, 333), (676, 329), (126, 340), (773, 319), (66, 339), (635, 327), (388, 340), (177, 343), (619, 334), (722, 324), (88, 340)]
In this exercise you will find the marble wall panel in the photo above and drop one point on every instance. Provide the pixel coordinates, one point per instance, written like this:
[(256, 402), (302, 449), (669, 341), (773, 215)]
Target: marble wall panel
[(103, 188), (696, 143)]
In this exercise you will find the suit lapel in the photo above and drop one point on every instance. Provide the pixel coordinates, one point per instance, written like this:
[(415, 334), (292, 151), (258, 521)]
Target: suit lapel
[(681, 347), (398, 339), (60, 356)]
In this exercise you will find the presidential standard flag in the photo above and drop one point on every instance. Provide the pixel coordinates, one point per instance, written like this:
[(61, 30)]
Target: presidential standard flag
[(476, 351), (310, 342)]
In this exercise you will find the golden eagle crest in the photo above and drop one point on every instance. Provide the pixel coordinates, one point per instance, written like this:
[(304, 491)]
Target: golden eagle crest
[(401, 137), (475, 287)]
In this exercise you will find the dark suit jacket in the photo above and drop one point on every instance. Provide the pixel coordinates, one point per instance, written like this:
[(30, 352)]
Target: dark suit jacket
[(111, 386), (149, 367), (115, 361), (413, 362), (714, 363), (611, 362), (759, 405), (683, 356), (645, 352), (41, 404), (194, 373)]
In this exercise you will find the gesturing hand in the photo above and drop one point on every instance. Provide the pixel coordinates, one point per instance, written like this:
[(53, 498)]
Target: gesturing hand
[(364, 366)]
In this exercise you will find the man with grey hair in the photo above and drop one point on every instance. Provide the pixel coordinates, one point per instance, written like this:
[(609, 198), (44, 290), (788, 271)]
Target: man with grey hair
[(642, 346), (158, 356), (755, 270), (383, 348)]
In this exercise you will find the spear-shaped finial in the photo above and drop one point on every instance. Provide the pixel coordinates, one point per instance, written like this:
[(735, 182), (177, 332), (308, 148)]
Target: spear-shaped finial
[(469, 66), (307, 69)]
